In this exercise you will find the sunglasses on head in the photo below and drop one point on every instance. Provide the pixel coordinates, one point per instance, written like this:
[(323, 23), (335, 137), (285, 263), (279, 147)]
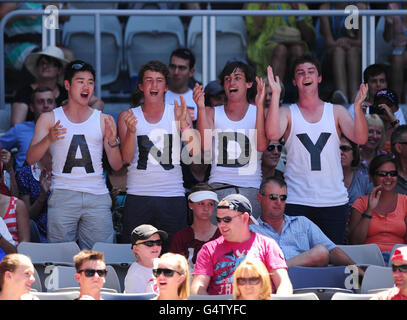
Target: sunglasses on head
[(392, 173), (251, 280), (273, 196), (77, 66), (401, 268), (345, 148), (91, 272), (227, 219), (165, 271), (151, 243), (271, 147)]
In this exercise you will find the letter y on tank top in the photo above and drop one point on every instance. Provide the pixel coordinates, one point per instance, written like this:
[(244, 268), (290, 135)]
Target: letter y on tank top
[(314, 150)]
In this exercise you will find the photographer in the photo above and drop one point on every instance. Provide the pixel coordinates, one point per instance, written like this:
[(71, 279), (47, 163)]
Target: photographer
[(385, 105)]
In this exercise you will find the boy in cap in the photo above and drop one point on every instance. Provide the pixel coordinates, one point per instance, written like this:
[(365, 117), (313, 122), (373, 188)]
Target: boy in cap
[(146, 243), (214, 94), (218, 259), (399, 267)]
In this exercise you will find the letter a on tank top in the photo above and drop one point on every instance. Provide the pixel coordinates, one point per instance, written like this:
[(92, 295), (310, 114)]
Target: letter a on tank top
[(78, 141)]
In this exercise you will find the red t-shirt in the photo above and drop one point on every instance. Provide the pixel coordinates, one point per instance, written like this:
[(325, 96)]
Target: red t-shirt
[(391, 294)]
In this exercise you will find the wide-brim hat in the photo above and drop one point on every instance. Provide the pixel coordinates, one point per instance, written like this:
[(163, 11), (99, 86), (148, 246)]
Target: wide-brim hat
[(51, 51)]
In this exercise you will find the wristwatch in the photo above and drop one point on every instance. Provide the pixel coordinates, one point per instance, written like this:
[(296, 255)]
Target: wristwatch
[(117, 143), (394, 123), (364, 215)]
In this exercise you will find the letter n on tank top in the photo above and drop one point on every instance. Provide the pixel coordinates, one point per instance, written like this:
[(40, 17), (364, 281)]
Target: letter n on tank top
[(146, 147), (314, 149), (78, 141)]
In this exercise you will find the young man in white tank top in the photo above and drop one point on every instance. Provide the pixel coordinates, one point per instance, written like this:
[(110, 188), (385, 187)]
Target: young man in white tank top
[(233, 136), (79, 205), (312, 131), (151, 135)]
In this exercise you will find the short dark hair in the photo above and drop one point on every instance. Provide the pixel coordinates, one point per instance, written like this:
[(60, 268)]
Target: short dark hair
[(153, 65), (39, 89), (78, 66), (186, 54), (396, 137), (378, 161), (276, 180), (304, 59), (247, 70), (86, 255), (374, 70)]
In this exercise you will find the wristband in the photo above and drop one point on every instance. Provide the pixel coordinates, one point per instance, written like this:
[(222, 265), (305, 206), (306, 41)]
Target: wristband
[(117, 143), (364, 215), (187, 127)]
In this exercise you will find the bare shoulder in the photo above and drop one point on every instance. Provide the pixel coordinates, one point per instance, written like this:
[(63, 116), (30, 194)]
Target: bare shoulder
[(46, 119)]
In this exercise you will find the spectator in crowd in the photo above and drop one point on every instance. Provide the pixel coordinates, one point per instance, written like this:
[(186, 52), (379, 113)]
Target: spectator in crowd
[(80, 205), (376, 77), (202, 201), (341, 47), (181, 69), (8, 183), (16, 276), (20, 135), (7, 244), (150, 136), (381, 216), (398, 145), (172, 277), (90, 273), (278, 40), (301, 241), (146, 242), (399, 268), (218, 259), (267, 99), (214, 94), (356, 182), (311, 129), (376, 138), (270, 159), (386, 103), (34, 182), (236, 127), (251, 281)]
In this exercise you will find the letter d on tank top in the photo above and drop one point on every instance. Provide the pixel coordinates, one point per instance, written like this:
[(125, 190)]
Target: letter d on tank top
[(314, 150)]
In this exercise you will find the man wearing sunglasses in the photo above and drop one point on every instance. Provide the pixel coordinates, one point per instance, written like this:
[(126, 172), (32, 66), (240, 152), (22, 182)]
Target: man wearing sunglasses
[(399, 268), (76, 136), (271, 159), (218, 259), (146, 243), (90, 273), (302, 241)]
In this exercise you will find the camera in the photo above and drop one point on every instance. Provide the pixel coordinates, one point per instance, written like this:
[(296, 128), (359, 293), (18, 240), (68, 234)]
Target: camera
[(374, 109)]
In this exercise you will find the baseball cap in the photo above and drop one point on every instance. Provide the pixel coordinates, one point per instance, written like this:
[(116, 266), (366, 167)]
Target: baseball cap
[(145, 231), (213, 88), (387, 94), (237, 202), (400, 254)]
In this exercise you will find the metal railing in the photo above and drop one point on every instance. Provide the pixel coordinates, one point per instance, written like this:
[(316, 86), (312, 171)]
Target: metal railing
[(208, 31)]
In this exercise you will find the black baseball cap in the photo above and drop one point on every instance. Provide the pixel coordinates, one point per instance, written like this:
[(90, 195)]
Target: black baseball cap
[(145, 231), (237, 202)]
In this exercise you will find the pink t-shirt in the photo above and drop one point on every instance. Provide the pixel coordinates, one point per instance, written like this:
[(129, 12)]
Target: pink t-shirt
[(391, 294), (219, 259)]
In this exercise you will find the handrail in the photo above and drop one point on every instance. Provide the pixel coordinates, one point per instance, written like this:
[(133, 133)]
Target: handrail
[(183, 12)]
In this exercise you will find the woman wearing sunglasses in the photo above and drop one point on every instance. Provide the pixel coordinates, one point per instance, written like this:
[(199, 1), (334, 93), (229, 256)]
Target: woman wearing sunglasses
[(381, 216), (172, 277), (269, 160), (251, 281)]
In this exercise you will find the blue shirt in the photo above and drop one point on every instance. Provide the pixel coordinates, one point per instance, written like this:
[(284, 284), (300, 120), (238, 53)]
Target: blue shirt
[(299, 234), (19, 137)]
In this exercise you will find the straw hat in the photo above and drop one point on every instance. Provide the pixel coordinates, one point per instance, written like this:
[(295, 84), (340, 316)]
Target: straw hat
[(53, 52)]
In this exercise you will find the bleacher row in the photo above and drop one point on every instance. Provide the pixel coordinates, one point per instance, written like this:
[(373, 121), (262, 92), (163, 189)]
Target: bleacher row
[(54, 273)]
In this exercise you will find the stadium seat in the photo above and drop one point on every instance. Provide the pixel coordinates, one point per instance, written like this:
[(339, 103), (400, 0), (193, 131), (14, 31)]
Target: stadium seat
[(351, 296), (151, 38), (377, 277), (210, 297), (364, 254), (79, 36), (230, 41), (127, 296), (68, 295), (297, 296)]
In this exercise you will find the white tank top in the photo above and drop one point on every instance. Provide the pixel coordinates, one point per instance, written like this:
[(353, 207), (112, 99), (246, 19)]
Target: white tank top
[(77, 159), (313, 172), (235, 159), (155, 169)]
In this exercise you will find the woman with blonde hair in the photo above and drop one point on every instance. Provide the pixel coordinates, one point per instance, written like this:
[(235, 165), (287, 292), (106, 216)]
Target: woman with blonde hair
[(251, 281), (16, 276), (172, 277)]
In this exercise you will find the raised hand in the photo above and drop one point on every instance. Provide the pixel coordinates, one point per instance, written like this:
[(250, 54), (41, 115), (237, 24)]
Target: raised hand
[(57, 132), (274, 81), (361, 95), (181, 112), (131, 121), (199, 95), (261, 92), (374, 197), (45, 180), (110, 130)]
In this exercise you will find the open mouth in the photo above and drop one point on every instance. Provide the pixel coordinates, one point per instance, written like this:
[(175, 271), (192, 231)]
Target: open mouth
[(307, 83), (153, 93), (84, 94), (233, 90)]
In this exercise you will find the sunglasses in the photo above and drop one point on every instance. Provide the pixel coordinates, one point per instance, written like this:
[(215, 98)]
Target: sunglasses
[(271, 147), (345, 148), (401, 268), (227, 219), (251, 280), (151, 243), (274, 197), (77, 66), (392, 173), (166, 272), (91, 272)]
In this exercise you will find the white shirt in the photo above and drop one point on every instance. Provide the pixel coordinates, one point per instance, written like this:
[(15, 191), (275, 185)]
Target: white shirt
[(139, 279), (171, 96)]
